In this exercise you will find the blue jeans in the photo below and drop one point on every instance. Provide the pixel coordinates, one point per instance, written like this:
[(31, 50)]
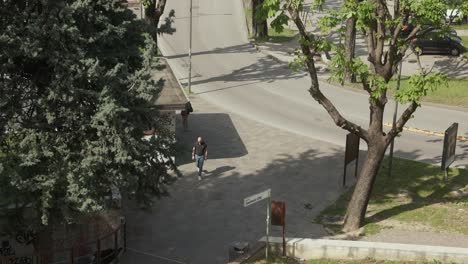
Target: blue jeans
[(199, 161)]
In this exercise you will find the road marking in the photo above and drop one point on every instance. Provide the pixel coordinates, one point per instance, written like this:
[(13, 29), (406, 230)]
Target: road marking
[(427, 132), (155, 256)]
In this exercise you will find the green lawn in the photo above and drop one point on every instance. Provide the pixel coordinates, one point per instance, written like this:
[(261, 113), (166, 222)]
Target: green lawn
[(278, 37), (273, 36), (415, 194), (454, 94), (461, 26), (465, 43)]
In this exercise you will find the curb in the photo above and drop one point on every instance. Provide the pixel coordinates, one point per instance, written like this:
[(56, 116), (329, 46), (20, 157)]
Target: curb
[(427, 132), (306, 248), (322, 68)]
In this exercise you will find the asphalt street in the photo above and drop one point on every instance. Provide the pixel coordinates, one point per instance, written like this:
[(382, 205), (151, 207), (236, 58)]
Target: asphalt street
[(229, 72), (199, 219), (263, 131)]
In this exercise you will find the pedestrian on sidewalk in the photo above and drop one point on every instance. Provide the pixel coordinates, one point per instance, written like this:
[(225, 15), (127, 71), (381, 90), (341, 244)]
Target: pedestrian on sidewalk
[(185, 113), (199, 155)]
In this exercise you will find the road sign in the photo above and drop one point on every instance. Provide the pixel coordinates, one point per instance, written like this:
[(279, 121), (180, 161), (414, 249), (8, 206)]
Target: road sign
[(351, 153), (278, 214), (257, 197), (450, 144)]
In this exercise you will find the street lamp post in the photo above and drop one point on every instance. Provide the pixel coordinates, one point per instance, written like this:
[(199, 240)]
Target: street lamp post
[(394, 120), (190, 52)]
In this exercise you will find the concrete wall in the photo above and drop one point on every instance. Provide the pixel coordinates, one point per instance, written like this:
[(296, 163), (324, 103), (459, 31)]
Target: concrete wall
[(346, 249)]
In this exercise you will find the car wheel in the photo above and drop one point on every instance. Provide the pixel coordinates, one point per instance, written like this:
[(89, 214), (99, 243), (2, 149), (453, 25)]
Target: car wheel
[(454, 52)]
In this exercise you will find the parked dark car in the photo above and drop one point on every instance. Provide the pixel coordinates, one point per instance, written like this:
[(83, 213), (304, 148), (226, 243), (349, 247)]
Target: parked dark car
[(408, 28), (437, 41)]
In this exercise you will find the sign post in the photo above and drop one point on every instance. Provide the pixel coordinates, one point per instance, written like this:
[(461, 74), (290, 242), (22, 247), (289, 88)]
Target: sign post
[(257, 198), (390, 161), (450, 144), (278, 215), (190, 49), (351, 153)]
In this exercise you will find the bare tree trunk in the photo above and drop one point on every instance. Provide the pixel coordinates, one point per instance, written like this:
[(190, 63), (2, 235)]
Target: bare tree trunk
[(259, 28), (153, 13), (263, 29), (254, 18), (357, 207), (350, 46)]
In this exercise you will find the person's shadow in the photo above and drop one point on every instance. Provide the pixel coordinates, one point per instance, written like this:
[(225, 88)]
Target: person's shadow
[(218, 171)]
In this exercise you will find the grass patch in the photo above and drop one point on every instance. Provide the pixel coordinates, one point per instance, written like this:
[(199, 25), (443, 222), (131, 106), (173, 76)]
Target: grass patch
[(455, 94), (372, 229), (278, 37), (273, 36), (272, 259), (460, 27), (415, 195), (465, 44)]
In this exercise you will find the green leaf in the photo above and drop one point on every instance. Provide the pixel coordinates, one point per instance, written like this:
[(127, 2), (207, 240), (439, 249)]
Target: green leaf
[(419, 86)]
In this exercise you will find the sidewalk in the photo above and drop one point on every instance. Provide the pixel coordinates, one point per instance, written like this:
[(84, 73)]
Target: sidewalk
[(200, 219), (462, 32)]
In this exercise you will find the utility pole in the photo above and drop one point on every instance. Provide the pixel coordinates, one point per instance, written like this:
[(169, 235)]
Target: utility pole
[(394, 120), (141, 9), (190, 52)]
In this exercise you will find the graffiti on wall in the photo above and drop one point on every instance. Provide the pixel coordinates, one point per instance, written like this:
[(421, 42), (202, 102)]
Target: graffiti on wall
[(7, 251)]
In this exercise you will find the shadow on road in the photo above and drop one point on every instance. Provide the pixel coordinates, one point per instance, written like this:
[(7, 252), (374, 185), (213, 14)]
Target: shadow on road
[(223, 141), (200, 219), (265, 69), (218, 171), (454, 67), (244, 48)]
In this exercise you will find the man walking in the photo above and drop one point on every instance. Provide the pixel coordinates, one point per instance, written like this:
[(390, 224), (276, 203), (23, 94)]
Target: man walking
[(199, 155), (185, 113)]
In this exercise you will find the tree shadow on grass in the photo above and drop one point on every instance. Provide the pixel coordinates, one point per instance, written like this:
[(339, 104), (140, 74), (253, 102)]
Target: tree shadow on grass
[(415, 186), (307, 176)]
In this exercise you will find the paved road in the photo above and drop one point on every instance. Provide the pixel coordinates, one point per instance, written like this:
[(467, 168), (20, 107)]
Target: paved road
[(201, 218), (233, 75), (263, 131)]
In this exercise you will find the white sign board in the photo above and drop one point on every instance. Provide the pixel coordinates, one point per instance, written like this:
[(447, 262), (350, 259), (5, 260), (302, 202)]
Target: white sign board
[(256, 197)]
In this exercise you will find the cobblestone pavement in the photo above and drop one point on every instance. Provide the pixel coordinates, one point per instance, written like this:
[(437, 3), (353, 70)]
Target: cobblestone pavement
[(200, 219)]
